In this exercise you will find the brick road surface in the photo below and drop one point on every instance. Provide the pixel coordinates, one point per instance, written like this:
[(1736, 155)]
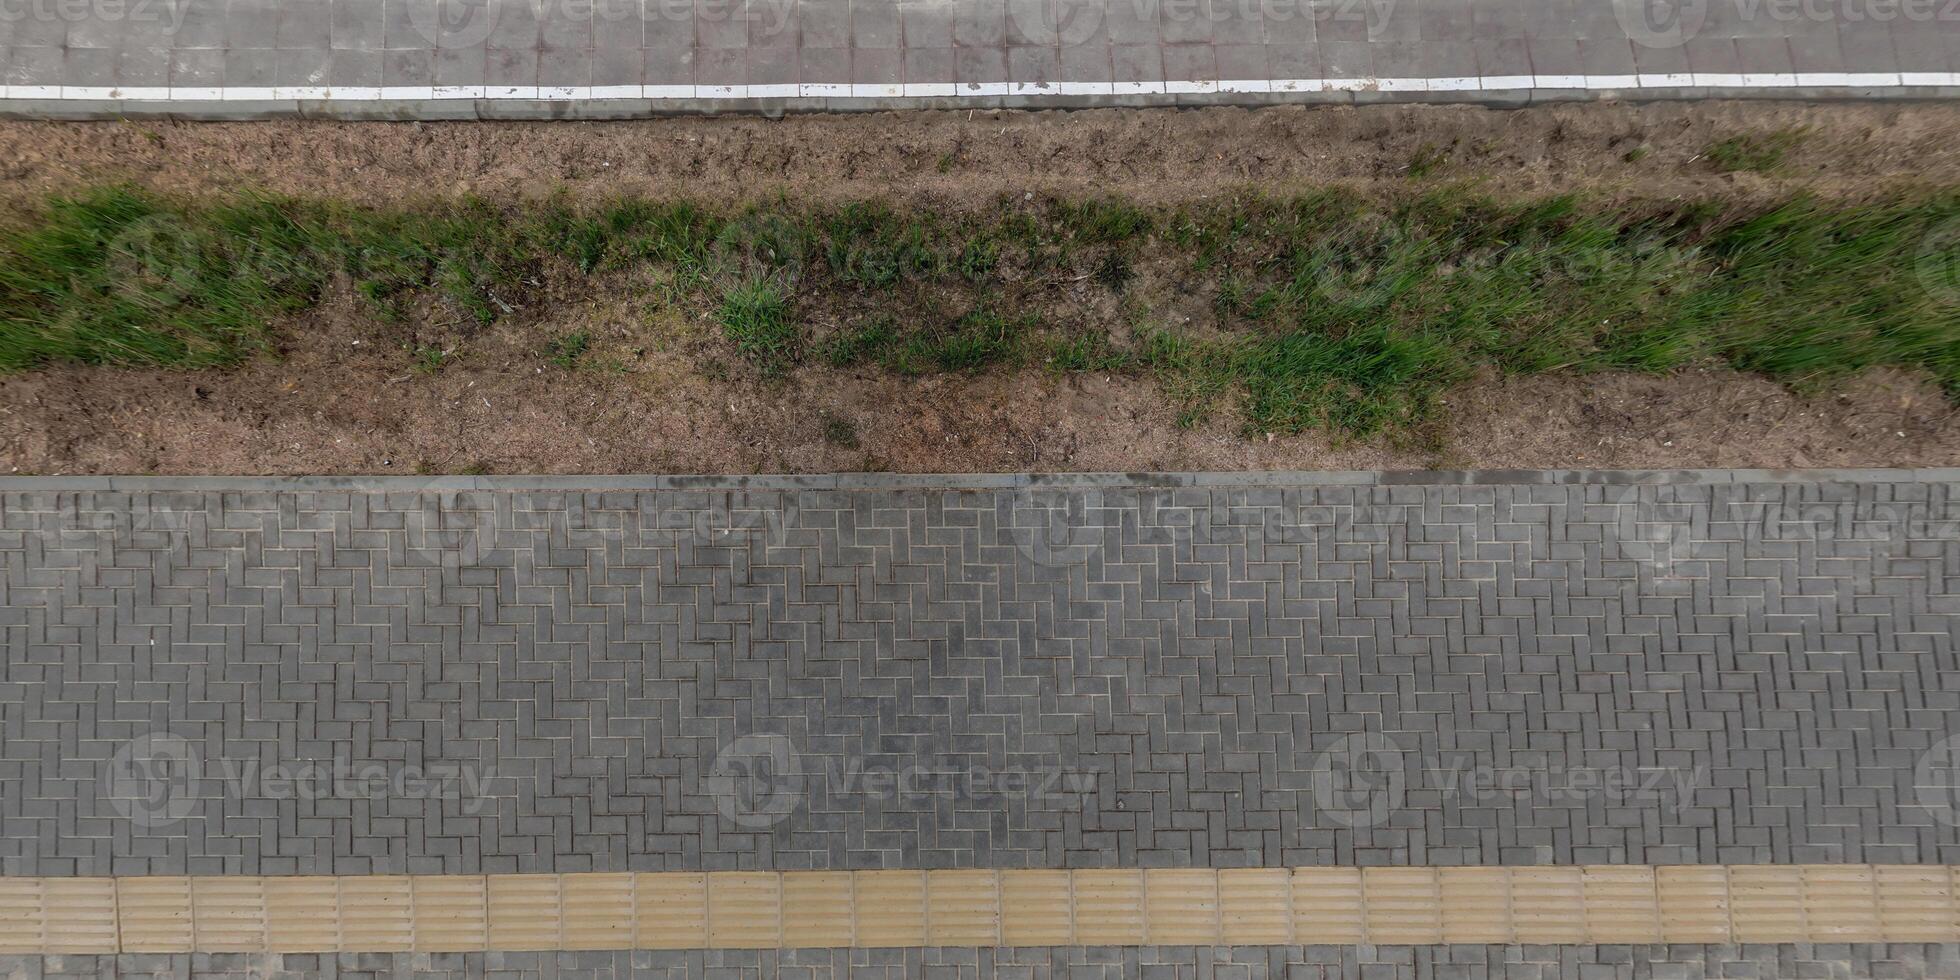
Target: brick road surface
[(1090, 675)]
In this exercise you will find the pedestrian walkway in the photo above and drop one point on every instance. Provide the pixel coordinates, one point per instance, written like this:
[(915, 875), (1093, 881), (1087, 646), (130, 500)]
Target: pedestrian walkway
[(623, 58), (1652, 719)]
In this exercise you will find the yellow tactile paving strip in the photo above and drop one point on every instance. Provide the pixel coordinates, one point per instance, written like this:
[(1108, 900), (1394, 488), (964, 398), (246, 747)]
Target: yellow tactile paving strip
[(1126, 907)]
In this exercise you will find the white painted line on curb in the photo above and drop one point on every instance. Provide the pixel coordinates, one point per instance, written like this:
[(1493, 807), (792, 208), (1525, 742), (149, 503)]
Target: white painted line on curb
[(1646, 81)]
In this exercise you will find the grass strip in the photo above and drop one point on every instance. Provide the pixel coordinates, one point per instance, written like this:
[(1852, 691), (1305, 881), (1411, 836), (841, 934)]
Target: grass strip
[(1328, 309)]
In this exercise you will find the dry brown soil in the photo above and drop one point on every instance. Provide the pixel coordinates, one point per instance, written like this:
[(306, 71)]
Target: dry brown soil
[(341, 396)]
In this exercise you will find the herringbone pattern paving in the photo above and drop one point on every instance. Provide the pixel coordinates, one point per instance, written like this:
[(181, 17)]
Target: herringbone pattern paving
[(349, 683)]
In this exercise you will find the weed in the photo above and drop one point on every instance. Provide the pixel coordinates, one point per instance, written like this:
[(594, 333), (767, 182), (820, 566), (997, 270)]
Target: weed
[(564, 352), (979, 338), (839, 431), (755, 315), (1087, 352), (429, 360), (119, 276), (763, 240), (870, 339), (1103, 221), (1426, 160), (1114, 272), (1760, 153), (867, 245), (978, 259)]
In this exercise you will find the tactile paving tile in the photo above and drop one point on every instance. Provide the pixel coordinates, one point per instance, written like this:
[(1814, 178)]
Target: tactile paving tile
[(451, 913), (817, 909), (1622, 904), (1844, 904), (1328, 906), (1694, 904), (962, 908), (1037, 908), (153, 915), (1255, 906), (230, 913), (80, 915), (890, 908), (1915, 904), (673, 910)]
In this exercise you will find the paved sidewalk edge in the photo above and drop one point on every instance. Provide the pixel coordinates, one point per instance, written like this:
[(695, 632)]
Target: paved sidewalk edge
[(593, 109), (960, 481)]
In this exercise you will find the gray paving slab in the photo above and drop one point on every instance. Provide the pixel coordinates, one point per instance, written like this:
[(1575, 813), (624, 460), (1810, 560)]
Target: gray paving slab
[(468, 675), (108, 57)]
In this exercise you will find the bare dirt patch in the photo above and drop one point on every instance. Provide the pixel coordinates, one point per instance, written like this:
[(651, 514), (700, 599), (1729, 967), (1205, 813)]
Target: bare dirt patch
[(1149, 155), (344, 396)]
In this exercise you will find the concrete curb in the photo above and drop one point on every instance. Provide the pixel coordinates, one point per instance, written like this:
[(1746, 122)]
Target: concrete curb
[(513, 110), (958, 481)]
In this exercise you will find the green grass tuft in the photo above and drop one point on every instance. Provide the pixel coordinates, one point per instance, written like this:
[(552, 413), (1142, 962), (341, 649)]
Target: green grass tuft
[(116, 276), (1759, 153), (564, 352), (755, 315)]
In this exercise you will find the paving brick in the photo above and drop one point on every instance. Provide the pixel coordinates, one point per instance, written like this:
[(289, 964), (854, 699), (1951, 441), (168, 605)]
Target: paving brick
[(481, 682)]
